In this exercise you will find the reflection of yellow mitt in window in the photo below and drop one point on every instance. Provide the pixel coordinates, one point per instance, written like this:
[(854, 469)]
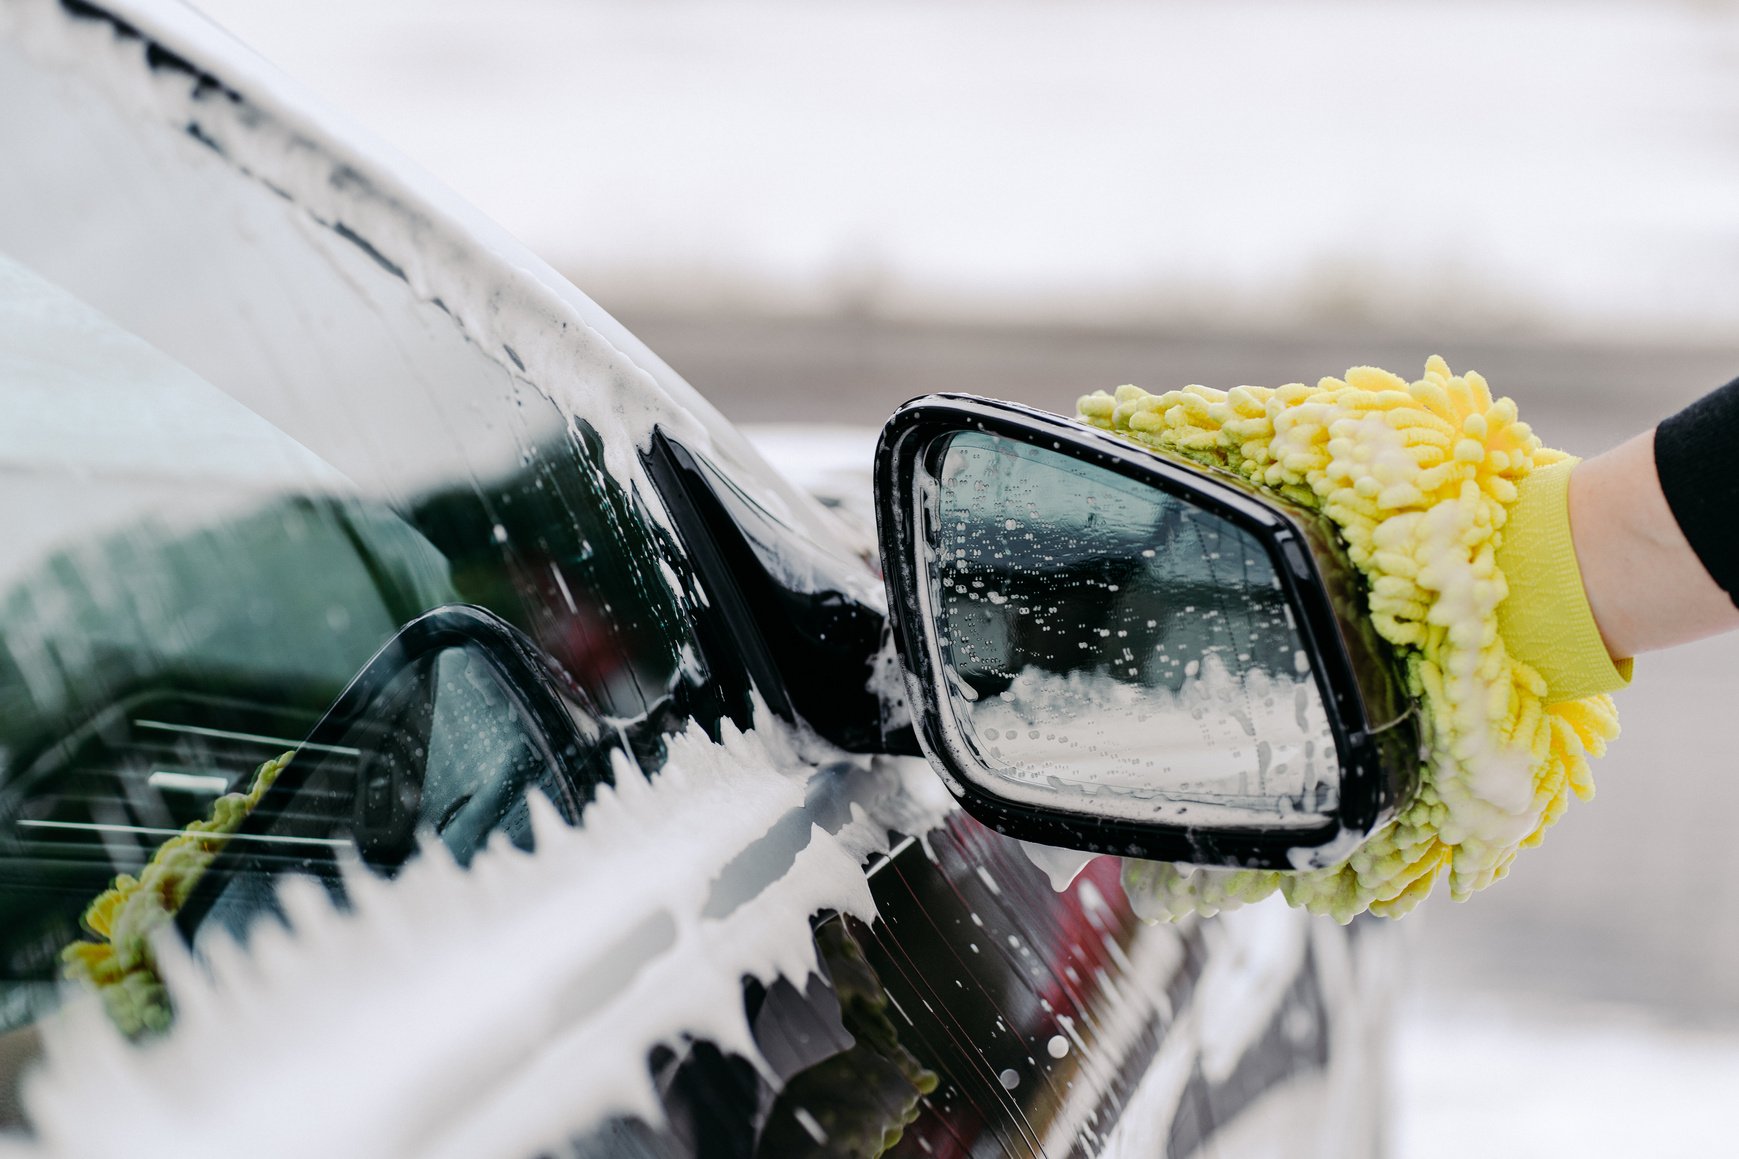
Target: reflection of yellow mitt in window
[(1422, 481), (121, 963)]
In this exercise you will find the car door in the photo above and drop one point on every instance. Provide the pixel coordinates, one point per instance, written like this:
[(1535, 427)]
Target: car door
[(338, 402)]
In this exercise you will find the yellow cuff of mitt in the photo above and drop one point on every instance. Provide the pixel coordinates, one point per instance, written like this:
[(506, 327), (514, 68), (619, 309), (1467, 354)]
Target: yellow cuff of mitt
[(1545, 619)]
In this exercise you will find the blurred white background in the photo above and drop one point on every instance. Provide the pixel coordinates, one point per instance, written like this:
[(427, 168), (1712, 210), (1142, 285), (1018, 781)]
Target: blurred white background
[(1517, 166), (815, 211)]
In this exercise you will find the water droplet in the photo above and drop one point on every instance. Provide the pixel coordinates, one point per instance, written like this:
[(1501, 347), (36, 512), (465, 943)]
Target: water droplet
[(810, 1126)]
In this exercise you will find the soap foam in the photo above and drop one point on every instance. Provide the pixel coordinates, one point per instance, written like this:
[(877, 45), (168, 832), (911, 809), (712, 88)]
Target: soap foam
[(504, 1008)]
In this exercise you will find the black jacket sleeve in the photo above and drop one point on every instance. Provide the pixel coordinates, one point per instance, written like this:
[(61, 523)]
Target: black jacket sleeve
[(1696, 453)]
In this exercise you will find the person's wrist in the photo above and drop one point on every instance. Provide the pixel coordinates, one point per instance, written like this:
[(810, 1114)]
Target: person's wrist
[(1646, 585)]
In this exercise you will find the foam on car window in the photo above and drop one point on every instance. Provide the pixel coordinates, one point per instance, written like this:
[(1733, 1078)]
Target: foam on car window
[(534, 984)]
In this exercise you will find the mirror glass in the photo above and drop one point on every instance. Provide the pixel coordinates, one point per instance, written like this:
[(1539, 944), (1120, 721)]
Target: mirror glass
[(1113, 650)]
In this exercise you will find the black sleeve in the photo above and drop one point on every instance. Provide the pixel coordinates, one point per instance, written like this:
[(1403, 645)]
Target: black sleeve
[(1696, 453)]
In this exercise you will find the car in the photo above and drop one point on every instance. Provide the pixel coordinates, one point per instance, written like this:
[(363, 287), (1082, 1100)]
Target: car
[(569, 771)]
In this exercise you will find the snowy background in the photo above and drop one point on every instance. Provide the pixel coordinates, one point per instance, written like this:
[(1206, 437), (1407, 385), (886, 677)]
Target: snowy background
[(815, 211), (1566, 166)]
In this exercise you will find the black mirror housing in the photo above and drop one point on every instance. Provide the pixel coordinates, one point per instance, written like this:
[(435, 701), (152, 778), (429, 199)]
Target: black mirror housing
[(1118, 651)]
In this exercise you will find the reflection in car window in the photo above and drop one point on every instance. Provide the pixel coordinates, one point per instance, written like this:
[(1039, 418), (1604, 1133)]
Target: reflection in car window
[(185, 589)]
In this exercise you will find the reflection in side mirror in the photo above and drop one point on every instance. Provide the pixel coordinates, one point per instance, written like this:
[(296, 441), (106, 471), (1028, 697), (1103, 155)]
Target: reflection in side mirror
[(1114, 651)]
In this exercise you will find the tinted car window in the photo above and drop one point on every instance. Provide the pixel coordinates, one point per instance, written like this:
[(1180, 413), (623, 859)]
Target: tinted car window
[(185, 589)]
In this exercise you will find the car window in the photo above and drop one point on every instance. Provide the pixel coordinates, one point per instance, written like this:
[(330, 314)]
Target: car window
[(186, 589)]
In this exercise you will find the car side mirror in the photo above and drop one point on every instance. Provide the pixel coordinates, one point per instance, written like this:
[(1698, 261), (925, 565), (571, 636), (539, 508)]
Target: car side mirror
[(1118, 651)]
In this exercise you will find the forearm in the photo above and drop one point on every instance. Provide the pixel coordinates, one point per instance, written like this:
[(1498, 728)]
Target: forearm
[(1650, 564)]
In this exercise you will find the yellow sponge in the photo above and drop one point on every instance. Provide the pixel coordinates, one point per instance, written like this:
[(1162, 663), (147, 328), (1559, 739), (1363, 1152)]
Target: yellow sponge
[(1420, 479)]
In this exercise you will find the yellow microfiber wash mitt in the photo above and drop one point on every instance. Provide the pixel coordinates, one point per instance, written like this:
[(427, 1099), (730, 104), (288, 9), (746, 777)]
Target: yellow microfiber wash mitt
[(1421, 480)]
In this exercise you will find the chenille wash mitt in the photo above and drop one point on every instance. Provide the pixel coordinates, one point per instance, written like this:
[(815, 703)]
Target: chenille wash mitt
[(1455, 514)]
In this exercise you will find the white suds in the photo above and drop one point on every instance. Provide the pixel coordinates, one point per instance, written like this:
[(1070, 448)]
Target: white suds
[(504, 1009)]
